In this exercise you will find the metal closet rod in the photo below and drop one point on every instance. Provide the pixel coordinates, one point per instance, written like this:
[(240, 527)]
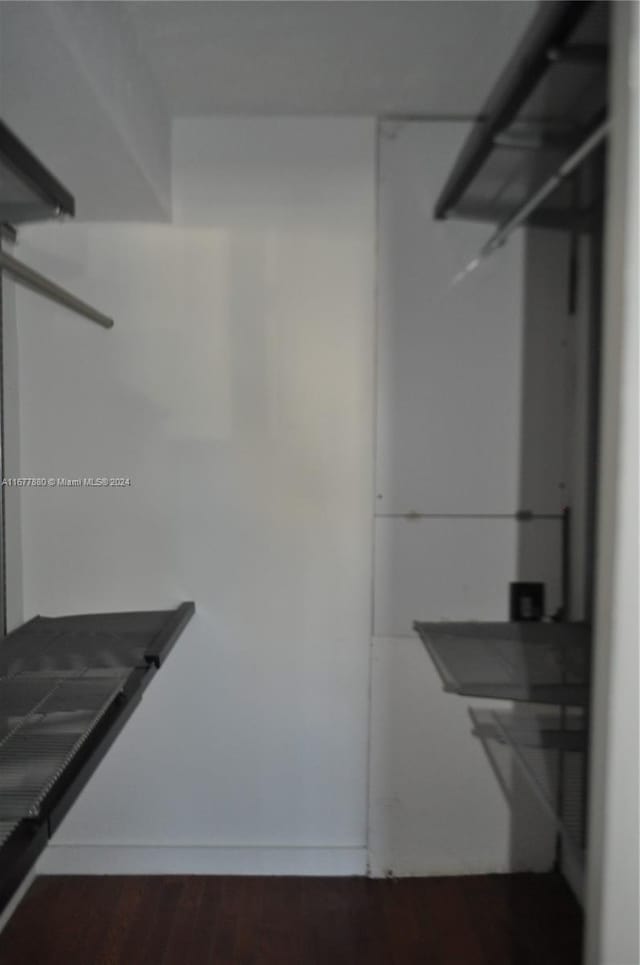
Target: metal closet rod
[(38, 283), (566, 168)]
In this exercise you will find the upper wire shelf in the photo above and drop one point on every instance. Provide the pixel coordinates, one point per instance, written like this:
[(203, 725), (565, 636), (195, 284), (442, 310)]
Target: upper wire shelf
[(550, 99), (28, 190)]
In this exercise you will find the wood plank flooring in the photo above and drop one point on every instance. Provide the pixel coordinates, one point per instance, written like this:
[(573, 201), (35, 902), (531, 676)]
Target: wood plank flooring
[(179, 920)]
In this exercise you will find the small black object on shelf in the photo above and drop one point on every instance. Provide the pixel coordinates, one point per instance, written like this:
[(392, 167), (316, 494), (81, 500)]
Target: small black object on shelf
[(526, 602)]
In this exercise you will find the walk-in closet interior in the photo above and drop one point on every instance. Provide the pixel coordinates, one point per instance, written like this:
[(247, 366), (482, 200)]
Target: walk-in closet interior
[(317, 369)]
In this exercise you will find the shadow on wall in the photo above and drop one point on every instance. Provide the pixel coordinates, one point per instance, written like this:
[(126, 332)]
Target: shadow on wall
[(512, 353), (560, 385)]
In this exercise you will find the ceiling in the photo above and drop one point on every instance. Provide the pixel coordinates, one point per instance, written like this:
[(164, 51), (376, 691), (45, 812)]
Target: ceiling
[(428, 58), (93, 88)]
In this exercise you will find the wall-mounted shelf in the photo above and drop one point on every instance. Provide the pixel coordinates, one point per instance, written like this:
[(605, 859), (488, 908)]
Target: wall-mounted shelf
[(42, 741), (28, 190), (95, 642), (536, 662), (67, 687), (549, 750), (550, 98)]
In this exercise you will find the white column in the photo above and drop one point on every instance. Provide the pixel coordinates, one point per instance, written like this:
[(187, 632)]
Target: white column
[(612, 897)]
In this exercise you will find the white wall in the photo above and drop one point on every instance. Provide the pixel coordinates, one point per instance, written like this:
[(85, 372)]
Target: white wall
[(236, 392), (455, 364), (613, 873), (455, 367)]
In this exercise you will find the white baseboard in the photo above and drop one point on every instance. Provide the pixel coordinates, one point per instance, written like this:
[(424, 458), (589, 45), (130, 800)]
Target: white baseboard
[(100, 859)]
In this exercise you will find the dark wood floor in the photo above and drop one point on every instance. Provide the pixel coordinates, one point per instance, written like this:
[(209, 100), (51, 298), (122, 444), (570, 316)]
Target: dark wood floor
[(488, 920)]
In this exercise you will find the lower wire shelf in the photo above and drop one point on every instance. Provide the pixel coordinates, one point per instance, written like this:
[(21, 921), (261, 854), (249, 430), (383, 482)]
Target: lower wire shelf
[(67, 687), (41, 742), (539, 753), (549, 749)]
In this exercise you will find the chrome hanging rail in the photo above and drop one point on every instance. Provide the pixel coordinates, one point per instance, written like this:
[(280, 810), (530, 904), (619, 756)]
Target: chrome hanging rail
[(38, 283), (567, 167)]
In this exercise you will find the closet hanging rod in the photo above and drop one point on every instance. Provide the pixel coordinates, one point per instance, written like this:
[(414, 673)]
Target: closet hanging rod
[(567, 167), (38, 283)]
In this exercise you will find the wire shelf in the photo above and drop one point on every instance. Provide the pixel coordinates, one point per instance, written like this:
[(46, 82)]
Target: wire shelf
[(68, 685), (6, 830), (73, 645), (551, 94), (42, 741), (549, 750), (536, 662)]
